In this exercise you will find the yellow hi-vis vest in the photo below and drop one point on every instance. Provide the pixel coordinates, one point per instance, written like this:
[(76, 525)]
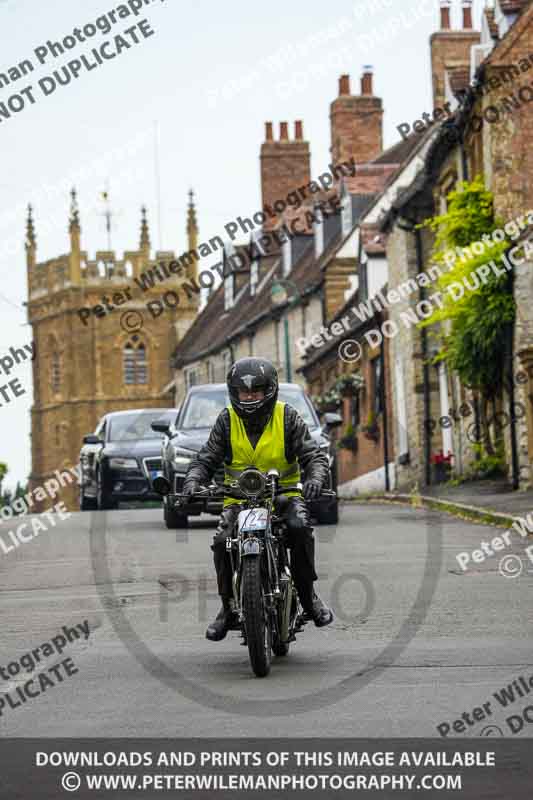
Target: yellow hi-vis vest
[(269, 452)]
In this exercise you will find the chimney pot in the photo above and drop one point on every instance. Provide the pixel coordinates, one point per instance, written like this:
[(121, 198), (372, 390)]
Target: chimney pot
[(344, 85), (366, 80), (467, 15), (283, 131), (269, 136), (298, 129), (445, 14)]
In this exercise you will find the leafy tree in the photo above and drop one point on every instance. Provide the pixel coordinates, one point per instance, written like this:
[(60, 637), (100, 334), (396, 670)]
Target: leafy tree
[(7, 497), (474, 328)]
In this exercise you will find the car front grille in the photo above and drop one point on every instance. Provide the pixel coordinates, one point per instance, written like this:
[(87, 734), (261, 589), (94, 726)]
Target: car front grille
[(151, 464)]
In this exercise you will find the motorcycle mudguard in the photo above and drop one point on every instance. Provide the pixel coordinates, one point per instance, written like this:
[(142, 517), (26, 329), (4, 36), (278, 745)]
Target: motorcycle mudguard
[(251, 547)]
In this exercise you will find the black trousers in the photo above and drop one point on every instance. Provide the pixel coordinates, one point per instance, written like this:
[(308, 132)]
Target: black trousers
[(300, 540)]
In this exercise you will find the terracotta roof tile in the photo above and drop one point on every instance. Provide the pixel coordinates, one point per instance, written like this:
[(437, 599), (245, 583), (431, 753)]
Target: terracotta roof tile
[(370, 178), (399, 152)]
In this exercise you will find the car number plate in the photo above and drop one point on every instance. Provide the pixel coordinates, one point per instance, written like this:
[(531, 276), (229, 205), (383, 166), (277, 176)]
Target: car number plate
[(254, 519)]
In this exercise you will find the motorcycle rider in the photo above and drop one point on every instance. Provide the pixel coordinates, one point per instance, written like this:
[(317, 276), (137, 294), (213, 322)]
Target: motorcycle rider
[(258, 430)]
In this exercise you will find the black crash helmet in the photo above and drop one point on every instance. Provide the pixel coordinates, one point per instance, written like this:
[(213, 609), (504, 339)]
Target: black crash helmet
[(252, 374)]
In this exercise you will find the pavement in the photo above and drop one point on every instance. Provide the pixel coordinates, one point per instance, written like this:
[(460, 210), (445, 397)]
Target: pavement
[(417, 642), (488, 500)]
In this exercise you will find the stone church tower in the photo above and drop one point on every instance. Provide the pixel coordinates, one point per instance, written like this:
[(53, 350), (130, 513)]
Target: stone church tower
[(99, 347)]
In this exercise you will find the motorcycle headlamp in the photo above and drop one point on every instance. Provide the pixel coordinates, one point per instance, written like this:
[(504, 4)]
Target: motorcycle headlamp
[(252, 482)]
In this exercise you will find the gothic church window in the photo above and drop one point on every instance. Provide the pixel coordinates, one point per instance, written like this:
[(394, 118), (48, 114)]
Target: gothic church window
[(55, 377), (134, 362)]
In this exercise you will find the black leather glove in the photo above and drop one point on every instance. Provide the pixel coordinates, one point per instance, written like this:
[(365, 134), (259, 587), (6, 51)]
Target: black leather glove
[(312, 490), (190, 487)]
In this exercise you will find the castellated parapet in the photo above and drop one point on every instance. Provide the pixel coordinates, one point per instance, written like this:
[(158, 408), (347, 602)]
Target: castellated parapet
[(115, 359)]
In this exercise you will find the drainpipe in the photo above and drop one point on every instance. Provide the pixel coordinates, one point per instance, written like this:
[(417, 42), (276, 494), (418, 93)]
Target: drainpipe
[(383, 393), (509, 346), (425, 366), (410, 226)]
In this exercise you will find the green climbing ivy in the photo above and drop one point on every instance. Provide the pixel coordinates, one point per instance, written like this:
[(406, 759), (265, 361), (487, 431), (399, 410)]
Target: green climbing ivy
[(473, 335)]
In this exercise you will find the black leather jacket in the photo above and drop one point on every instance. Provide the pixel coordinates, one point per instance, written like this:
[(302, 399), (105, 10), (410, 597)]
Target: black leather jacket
[(299, 446)]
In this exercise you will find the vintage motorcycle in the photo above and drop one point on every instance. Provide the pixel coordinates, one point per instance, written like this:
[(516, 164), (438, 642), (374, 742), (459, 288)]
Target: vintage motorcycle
[(264, 593)]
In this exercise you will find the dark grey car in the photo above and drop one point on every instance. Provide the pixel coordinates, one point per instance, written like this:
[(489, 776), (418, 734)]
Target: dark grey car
[(121, 458), (198, 413)]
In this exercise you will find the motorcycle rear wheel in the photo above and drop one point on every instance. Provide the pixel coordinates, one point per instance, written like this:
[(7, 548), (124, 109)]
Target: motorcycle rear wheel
[(256, 622)]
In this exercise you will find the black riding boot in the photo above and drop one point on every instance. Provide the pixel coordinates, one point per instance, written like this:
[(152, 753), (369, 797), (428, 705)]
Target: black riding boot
[(226, 620), (319, 612)]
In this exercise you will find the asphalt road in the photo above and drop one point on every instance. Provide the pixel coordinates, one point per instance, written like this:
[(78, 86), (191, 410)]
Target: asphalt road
[(415, 643)]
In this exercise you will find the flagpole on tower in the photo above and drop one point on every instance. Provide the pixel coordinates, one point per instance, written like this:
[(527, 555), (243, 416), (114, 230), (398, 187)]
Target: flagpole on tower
[(107, 214), (157, 181)]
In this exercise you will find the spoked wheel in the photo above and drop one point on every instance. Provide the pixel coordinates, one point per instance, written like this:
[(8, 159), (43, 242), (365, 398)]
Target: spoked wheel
[(256, 622)]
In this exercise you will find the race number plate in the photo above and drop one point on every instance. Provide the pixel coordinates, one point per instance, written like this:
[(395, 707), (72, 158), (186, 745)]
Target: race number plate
[(253, 519)]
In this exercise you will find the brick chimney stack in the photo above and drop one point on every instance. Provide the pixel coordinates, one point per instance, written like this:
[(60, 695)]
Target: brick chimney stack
[(445, 22), (285, 166), (366, 80), (356, 122), (450, 48), (467, 15), (344, 85)]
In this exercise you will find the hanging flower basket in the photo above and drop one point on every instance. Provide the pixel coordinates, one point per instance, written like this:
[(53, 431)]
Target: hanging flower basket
[(442, 466), (331, 401), (349, 441), (371, 433), (349, 384), (371, 429)]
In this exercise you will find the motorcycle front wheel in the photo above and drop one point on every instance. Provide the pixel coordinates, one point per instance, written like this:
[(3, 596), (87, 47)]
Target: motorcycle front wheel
[(256, 621)]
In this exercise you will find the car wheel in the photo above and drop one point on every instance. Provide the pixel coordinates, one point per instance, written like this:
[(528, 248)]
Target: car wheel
[(328, 514), (87, 503), (174, 519), (103, 501)]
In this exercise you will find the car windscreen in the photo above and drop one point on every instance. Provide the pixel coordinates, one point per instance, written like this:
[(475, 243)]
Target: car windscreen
[(296, 398), (203, 408), (133, 427)]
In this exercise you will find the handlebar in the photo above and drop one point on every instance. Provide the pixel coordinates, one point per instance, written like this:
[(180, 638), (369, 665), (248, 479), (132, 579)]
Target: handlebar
[(220, 492)]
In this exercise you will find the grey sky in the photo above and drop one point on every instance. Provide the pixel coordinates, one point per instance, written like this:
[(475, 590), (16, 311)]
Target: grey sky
[(210, 76)]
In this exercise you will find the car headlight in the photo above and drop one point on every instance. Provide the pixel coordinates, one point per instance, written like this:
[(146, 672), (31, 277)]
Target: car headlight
[(123, 463), (182, 458)]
